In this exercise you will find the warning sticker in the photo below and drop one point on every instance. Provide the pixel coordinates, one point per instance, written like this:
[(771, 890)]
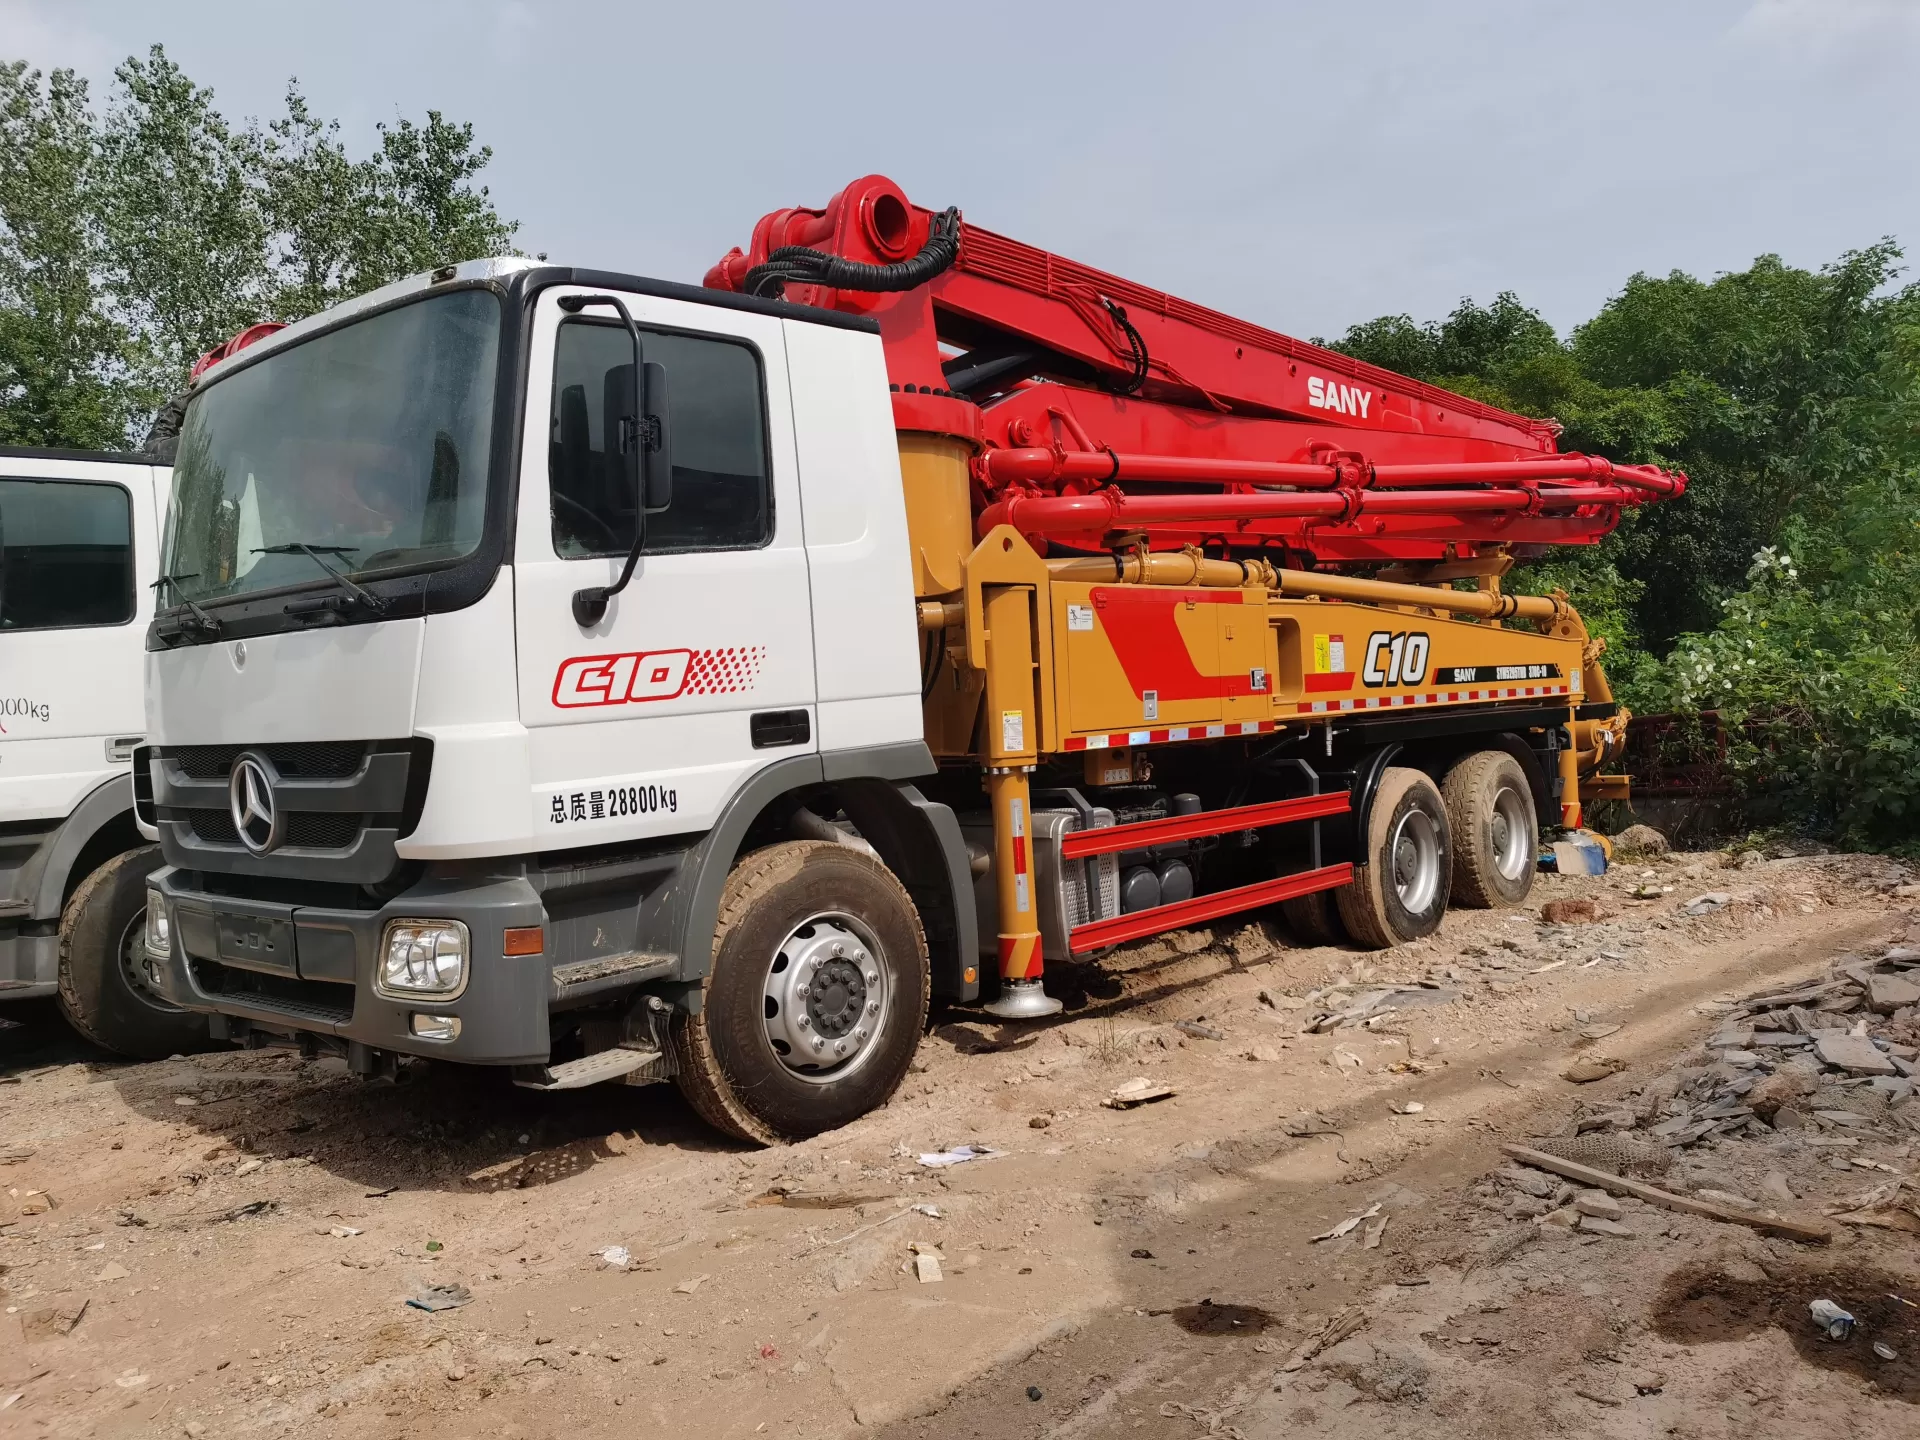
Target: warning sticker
[(1013, 730), (1079, 617), (1329, 654)]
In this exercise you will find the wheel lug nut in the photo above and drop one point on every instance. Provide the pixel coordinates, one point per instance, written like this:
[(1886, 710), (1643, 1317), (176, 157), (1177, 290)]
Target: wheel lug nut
[(873, 1007), (839, 1047), (838, 949), (860, 1034), (818, 1043), (802, 1022), (801, 991), (873, 977)]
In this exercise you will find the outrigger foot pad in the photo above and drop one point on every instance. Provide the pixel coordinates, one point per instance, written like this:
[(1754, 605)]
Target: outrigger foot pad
[(1023, 1000)]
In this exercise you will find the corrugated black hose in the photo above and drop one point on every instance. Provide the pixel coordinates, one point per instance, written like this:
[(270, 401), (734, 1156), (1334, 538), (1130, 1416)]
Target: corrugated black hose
[(803, 265)]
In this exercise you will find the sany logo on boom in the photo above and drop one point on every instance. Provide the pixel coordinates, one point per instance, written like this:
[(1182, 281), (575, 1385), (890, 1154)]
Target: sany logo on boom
[(1323, 394), (618, 679)]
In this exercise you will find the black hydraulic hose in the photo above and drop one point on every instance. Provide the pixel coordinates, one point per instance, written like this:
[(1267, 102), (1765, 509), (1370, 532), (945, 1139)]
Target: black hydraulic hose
[(803, 265)]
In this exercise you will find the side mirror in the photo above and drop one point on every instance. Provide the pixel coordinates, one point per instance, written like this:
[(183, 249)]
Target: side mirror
[(636, 433)]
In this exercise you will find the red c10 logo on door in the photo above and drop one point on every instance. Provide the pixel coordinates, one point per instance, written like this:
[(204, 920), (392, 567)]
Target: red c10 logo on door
[(655, 675)]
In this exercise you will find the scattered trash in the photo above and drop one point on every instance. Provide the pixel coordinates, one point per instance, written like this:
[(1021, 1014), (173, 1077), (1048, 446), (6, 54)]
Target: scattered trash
[(1570, 912), (54, 1321), (1348, 1224), (1597, 1032), (248, 1167), (687, 1287), (1370, 1237), (1831, 1318), (932, 1212), (1581, 853), (1142, 1254), (1885, 1351), (616, 1257), (1591, 1068), (1137, 1091), (1707, 904), (434, 1247), (1199, 1031), (1543, 969), (440, 1297), (1332, 1333), (113, 1270), (926, 1263), (1342, 1005), (1406, 1107), (1305, 1124), (7, 1402), (130, 1380), (959, 1155), (1033, 1392), (1806, 1231)]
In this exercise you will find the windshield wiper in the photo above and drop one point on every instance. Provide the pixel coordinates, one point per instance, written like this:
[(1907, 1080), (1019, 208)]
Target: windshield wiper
[(314, 552), (195, 620)]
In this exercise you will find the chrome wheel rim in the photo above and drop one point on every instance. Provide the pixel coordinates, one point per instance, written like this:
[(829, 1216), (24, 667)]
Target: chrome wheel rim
[(1512, 824), (138, 967), (827, 996), (1413, 857)]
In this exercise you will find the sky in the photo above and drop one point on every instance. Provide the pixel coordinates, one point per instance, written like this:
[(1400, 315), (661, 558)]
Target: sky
[(1303, 165)]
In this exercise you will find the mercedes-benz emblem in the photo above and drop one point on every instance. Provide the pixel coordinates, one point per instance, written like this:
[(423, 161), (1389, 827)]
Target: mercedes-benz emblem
[(250, 801), (239, 654)]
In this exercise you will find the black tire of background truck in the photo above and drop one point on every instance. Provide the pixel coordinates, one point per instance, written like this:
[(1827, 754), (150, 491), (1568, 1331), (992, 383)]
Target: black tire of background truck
[(1314, 919), (106, 916), (1496, 829), (729, 1071), (1410, 817)]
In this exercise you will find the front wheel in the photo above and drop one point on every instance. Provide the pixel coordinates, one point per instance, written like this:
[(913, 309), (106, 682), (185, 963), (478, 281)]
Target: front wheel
[(816, 999), (1399, 891), (106, 989)]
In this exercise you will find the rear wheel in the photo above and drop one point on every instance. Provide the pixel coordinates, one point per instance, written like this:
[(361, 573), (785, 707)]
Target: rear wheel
[(816, 998), (1400, 892), (107, 991), (1496, 830)]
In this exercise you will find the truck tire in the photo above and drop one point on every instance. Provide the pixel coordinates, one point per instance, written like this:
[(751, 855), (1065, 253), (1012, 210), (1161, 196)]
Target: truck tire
[(816, 999), (1400, 892), (1496, 830), (104, 991), (1314, 919)]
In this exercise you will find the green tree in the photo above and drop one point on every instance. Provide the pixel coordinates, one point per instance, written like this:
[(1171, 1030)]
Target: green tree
[(134, 239)]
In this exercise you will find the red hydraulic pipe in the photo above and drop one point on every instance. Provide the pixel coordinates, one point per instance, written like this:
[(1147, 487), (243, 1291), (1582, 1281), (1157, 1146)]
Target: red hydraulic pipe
[(1108, 510), (1035, 465)]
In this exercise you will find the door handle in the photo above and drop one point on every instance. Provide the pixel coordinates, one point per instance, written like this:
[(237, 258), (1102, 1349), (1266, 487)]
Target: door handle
[(771, 728)]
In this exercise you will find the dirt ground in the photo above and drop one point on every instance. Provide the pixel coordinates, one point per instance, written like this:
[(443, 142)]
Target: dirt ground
[(225, 1244)]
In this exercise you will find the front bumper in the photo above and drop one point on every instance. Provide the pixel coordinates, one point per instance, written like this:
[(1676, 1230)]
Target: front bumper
[(29, 964), (310, 969)]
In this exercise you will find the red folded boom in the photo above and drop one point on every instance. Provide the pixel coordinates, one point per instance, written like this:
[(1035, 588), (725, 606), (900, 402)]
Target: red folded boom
[(1078, 391)]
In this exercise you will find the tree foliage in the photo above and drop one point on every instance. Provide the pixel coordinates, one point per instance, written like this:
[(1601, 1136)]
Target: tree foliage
[(1784, 588), (135, 238)]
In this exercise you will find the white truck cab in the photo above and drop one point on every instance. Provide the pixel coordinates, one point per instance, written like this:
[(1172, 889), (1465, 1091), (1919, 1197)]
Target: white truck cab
[(513, 610), (79, 546)]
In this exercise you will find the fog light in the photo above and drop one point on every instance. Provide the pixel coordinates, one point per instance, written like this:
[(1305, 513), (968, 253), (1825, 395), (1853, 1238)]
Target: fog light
[(424, 957), (436, 1027), (159, 929)]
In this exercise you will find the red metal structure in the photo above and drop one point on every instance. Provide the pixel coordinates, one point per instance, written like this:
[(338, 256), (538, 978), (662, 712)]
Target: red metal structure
[(1098, 407)]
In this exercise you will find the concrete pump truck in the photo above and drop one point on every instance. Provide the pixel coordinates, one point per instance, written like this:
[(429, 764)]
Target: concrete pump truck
[(619, 680)]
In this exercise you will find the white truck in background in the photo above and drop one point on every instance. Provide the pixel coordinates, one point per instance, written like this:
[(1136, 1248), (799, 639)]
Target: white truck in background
[(79, 547)]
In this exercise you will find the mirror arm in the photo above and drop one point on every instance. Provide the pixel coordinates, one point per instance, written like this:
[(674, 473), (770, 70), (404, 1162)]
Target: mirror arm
[(590, 604)]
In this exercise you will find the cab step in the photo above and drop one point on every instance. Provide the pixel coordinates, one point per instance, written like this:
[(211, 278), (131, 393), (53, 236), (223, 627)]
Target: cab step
[(635, 1066)]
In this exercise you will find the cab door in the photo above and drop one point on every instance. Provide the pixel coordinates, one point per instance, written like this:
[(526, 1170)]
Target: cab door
[(76, 590), (702, 669)]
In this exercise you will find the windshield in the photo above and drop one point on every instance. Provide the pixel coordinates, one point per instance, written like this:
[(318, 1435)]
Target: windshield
[(369, 443)]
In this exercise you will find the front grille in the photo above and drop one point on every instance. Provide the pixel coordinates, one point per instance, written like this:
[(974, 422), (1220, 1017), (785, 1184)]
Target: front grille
[(214, 826), (322, 830), (309, 999), (306, 829), (309, 760)]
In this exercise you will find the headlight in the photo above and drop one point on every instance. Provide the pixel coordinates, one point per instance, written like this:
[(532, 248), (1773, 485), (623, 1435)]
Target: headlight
[(159, 931), (424, 957)]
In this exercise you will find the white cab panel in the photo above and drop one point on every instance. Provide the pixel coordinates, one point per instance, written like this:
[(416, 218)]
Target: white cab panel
[(866, 640), (640, 725), (469, 707), (68, 692), (348, 682)]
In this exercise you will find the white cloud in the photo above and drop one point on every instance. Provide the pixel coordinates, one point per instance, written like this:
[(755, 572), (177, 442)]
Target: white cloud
[(1826, 27), (47, 36), (513, 26)]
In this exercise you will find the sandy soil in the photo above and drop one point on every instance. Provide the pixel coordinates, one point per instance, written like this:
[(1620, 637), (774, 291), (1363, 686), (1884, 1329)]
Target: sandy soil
[(239, 1233)]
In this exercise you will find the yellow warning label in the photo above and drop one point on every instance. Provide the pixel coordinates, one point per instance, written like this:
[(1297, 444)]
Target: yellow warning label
[(1322, 656)]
